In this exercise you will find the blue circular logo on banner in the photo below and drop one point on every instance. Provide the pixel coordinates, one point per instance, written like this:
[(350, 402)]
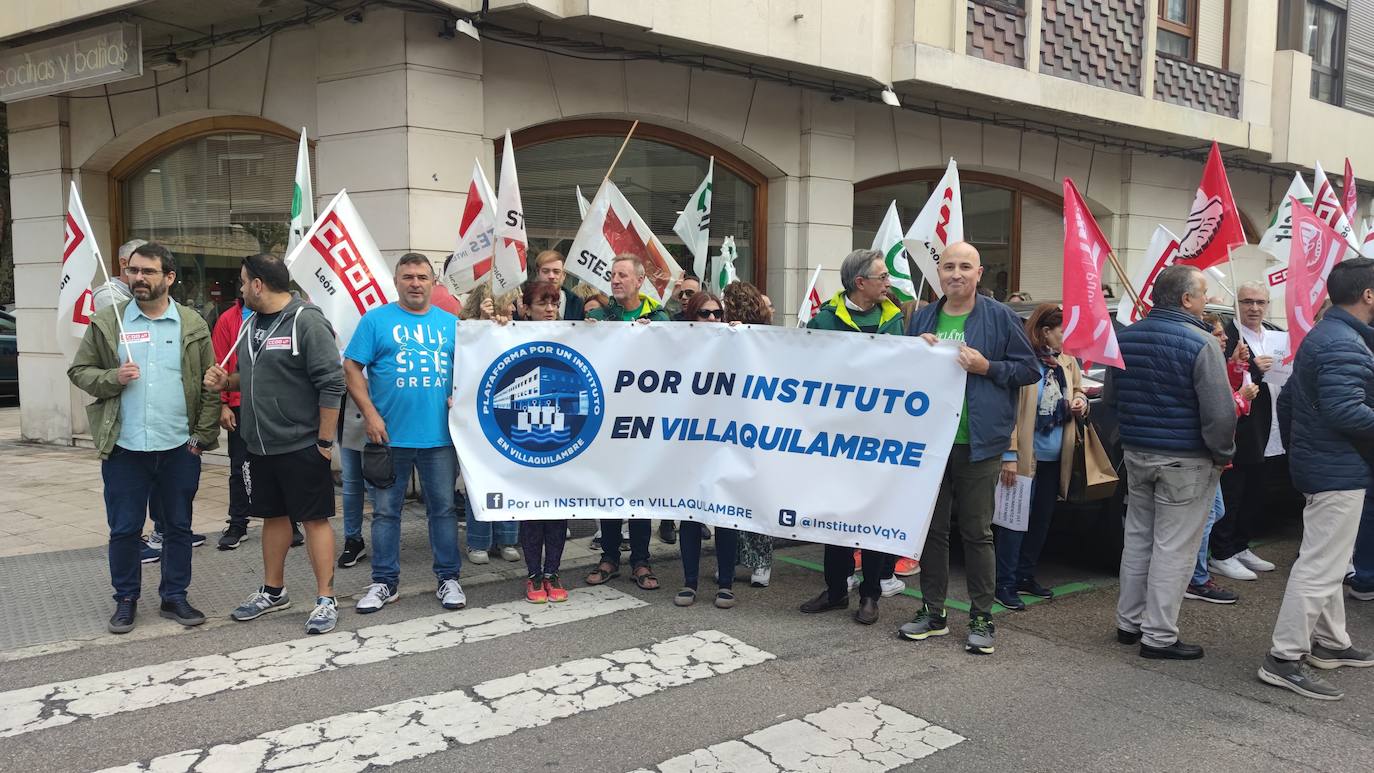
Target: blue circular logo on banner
[(540, 404)]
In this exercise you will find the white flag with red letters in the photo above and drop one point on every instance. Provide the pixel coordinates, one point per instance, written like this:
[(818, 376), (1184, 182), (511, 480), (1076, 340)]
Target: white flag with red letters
[(811, 300), (940, 224), (80, 261), (473, 256)]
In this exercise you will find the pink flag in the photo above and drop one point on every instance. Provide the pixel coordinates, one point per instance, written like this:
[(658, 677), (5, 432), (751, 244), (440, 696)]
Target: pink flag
[(1214, 222), (1350, 192), (1088, 331), (1316, 249)]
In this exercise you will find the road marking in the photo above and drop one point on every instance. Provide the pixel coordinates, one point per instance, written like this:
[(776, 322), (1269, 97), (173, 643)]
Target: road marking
[(865, 736), (61, 703), (422, 726)]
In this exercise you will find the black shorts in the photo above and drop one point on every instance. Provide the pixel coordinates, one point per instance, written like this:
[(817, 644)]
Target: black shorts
[(298, 485)]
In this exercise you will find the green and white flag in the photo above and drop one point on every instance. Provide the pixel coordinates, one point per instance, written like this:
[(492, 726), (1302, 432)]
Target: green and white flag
[(693, 224), (302, 198), (888, 241), (725, 264), (1278, 237)]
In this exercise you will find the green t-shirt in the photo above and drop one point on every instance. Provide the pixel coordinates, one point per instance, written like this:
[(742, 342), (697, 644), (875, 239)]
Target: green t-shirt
[(951, 328), (867, 320), (630, 315)]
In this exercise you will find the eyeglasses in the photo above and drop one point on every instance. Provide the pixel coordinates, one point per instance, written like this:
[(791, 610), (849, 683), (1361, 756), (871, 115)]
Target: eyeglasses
[(146, 272), (1253, 302), (880, 277), (685, 293), (705, 313)]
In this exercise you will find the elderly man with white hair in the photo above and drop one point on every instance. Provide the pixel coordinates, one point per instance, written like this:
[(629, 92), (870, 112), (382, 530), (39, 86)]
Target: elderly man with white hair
[(116, 290)]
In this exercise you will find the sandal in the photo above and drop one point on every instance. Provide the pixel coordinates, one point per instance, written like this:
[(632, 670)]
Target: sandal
[(644, 578), (725, 598), (603, 573), (685, 597)]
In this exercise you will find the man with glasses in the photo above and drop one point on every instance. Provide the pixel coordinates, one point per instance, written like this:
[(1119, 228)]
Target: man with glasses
[(861, 307), (151, 420), (1244, 484), (687, 286)]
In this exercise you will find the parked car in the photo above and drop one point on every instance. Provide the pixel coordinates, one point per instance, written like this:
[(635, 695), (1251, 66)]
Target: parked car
[(1091, 532), (9, 354)]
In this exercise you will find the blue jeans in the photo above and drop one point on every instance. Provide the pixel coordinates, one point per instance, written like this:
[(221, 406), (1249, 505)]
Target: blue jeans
[(437, 467), (134, 480), (480, 532), (1018, 552), (1364, 547), (354, 485), (1200, 573)]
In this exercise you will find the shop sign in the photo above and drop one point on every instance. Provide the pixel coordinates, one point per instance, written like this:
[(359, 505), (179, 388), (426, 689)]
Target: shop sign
[(105, 54)]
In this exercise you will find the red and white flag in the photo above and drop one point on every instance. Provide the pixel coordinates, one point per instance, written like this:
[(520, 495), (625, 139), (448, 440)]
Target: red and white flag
[(940, 224), (508, 267), (1088, 331), (1317, 248), (612, 227), (1330, 209), (1350, 193), (1214, 222), (80, 261), (1162, 253), (473, 256), (340, 269), (811, 300)]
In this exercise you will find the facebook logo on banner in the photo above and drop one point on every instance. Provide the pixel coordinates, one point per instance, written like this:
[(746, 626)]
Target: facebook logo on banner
[(787, 518), (495, 501)]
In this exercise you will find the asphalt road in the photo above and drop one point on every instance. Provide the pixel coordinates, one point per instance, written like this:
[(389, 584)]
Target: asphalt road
[(630, 682)]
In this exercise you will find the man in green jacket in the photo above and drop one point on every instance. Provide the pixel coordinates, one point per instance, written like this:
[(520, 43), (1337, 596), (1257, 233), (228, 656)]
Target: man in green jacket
[(628, 304), (151, 420), (861, 307)]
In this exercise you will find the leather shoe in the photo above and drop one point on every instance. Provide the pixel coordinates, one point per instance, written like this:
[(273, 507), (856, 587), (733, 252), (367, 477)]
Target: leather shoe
[(122, 621), (1127, 637), (1176, 651), (181, 611), (867, 613), (822, 603)]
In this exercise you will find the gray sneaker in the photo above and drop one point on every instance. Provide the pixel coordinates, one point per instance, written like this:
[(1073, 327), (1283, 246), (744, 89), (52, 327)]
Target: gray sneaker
[(1325, 657), (926, 625), (259, 604), (324, 617), (1295, 675), (980, 633)]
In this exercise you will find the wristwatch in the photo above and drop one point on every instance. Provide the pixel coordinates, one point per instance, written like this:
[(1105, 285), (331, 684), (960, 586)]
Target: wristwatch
[(325, 444)]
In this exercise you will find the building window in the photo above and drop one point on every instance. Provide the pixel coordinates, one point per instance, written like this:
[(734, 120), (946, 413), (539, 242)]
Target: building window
[(658, 172), (1323, 41), (1177, 28), (212, 196), (1017, 228)]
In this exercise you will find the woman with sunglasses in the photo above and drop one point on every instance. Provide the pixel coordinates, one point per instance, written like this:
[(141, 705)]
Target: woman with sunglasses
[(705, 307)]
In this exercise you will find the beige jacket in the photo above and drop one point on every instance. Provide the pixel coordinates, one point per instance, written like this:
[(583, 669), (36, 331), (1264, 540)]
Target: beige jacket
[(1023, 434)]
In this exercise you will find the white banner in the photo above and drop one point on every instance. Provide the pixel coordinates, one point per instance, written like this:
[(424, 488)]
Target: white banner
[(823, 436)]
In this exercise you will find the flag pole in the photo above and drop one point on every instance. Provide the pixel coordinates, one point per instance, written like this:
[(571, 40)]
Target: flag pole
[(623, 145), (243, 328), (1140, 307), (105, 272)]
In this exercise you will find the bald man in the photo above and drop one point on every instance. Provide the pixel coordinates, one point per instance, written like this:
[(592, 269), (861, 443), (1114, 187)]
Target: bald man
[(994, 351)]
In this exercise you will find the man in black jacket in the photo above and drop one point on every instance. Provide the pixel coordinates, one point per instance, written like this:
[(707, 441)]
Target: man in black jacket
[(1327, 411)]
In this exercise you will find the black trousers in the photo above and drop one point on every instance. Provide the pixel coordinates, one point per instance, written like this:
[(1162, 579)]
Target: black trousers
[(1243, 491), (839, 565), (238, 493)]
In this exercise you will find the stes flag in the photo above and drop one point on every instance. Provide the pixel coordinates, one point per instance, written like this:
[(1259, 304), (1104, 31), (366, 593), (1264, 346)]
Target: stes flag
[(612, 227), (1316, 249), (1214, 222), (811, 299), (1330, 209), (940, 224), (80, 261), (302, 197), (693, 225), (340, 269), (1088, 331), (508, 268), (888, 241), (472, 258)]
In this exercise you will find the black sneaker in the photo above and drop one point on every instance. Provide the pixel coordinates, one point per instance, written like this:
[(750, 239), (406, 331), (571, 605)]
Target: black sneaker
[(181, 611), (122, 621), (1295, 675), (667, 532), (354, 550), (1032, 588), (1009, 599), (232, 536), (297, 538), (197, 540), (1211, 593)]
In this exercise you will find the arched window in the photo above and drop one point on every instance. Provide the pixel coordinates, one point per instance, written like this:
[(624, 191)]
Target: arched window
[(1017, 228), (658, 172), (212, 191)]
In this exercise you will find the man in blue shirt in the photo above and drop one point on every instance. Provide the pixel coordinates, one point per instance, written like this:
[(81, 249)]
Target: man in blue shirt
[(152, 418), (406, 349)]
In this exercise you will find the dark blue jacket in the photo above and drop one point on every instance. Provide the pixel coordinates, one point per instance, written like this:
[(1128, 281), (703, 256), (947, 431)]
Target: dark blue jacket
[(1000, 336), (1174, 397), (1326, 410)]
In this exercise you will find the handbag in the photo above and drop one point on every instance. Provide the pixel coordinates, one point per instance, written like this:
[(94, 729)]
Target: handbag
[(1093, 477)]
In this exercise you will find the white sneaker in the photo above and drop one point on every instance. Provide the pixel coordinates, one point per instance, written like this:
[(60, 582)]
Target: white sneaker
[(1253, 562), (852, 582), (324, 618), (509, 553), (377, 596), (892, 586), (478, 556), (451, 595), (760, 577), (1231, 567), (154, 540)]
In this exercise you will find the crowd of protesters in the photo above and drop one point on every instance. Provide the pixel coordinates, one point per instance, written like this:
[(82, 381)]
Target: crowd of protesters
[(1207, 413)]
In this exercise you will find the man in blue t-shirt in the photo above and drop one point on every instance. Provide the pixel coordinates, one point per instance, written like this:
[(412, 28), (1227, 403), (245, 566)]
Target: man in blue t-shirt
[(406, 349)]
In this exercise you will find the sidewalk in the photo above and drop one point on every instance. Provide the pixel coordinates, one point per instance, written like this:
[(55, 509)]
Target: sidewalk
[(53, 537)]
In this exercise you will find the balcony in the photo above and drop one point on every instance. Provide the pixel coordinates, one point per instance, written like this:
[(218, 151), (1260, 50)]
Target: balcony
[(1181, 82)]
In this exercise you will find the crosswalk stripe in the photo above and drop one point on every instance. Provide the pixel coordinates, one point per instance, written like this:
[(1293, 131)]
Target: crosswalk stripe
[(60, 703), (865, 736), (419, 727)]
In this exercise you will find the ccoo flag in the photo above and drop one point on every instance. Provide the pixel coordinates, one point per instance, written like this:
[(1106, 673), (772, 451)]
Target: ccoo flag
[(612, 227), (811, 299), (80, 261), (940, 224), (472, 258), (508, 266), (1088, 331), (1316, 249), (302, 197), (888, 241), (694, 223), (338, 266), (1214, 222)]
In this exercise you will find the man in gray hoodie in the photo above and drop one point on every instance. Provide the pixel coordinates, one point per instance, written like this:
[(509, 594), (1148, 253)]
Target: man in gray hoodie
[(292, 384)]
